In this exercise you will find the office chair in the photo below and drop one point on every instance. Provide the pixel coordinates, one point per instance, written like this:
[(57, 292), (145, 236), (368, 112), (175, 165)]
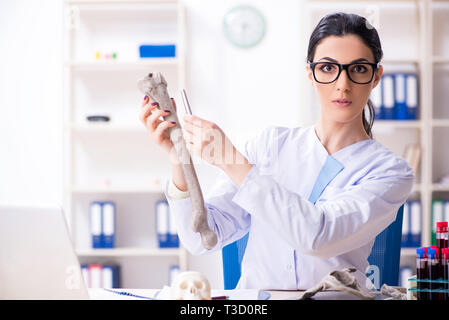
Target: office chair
[(385, 256), (386, 252)]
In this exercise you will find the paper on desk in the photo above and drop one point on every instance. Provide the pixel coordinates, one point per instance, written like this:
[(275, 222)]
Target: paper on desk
[(237, 294), (106, 294)]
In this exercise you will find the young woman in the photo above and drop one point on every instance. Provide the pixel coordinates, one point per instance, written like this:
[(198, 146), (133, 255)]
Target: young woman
[(314, 198)]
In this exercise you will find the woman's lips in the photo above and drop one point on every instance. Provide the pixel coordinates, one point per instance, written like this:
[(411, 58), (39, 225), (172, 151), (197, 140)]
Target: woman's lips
[(342, 102)]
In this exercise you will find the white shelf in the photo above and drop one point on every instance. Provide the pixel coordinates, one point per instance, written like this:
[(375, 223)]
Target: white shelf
[(116, 160), (440, 187), (120, 64), (129, 252), (98, 128), (440, 60), (117, 190), (400, 61), (442, 123), (409, 124), (112, 2)]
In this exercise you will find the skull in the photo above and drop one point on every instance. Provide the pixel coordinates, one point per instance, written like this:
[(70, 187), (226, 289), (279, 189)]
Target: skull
[(190, 285)]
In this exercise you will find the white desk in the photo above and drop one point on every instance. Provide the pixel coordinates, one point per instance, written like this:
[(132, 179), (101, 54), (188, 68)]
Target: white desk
[(102, 294)]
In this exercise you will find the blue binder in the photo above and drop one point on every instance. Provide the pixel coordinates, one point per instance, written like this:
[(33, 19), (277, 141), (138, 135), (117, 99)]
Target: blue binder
[(108, 222), (400, 92), (102, 224), (111, 276), (405, 272), (96, 224), (173, 239), (173, 271), (412, 224), (412, 96), (162, 224), (85, 273), (157, 51), (388, 96)]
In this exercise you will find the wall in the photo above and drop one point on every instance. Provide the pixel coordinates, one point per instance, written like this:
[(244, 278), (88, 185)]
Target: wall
[(30, 101)]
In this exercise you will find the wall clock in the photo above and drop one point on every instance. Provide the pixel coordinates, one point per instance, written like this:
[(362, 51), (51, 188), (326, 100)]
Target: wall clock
[(244, 26)]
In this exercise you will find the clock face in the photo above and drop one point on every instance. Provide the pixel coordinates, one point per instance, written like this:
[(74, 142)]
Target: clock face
[(244, 26)]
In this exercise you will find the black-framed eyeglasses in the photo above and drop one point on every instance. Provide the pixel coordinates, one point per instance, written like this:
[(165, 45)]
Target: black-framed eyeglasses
[(358, 72)]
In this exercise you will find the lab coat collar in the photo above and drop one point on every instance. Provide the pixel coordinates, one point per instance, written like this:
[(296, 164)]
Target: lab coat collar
[(343, 154)]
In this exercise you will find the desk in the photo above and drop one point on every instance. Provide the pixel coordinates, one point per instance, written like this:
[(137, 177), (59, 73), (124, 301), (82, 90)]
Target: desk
[(101, 294)]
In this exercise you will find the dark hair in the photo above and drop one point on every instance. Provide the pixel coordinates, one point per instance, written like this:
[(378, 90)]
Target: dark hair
[(341, 24)]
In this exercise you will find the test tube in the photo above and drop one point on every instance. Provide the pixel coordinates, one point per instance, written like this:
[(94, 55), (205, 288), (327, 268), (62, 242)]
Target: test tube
[(421, 273), (434, 275), (442, 235), (445, 267)]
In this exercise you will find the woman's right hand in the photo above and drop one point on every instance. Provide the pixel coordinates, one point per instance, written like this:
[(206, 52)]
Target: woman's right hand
[(157, 128)]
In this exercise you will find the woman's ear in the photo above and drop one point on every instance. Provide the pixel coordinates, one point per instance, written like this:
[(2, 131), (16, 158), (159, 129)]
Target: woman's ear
[(309, 74), (377, 76)]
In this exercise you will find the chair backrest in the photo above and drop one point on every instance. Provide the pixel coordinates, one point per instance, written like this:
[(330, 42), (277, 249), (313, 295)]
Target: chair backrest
[(386, 253), (384, 258)]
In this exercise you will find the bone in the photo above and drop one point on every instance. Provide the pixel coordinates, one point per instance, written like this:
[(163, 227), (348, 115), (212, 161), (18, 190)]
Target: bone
[(155, 87)]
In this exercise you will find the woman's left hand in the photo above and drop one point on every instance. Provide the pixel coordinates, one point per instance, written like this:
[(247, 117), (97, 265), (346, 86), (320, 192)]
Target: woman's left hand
[(206, 140)]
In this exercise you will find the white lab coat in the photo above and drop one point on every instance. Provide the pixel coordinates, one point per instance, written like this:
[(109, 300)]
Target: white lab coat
[(294, 243)]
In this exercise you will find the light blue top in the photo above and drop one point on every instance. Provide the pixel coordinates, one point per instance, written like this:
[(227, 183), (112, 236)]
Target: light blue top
[(295, 242)]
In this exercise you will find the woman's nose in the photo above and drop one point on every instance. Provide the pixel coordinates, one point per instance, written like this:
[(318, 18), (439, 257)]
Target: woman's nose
[(343, 81)]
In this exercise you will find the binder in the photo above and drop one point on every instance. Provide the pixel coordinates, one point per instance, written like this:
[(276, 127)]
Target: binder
[(108, 212), (388, 96), (174, 270), (415, 225), (405, 273), (400, 106), (437, 215), (110, 276), (95, 276), (96, 224), (412, 96), (173, 238), (162, 220), (376, 99), (85, 273), (157, 51), (102, 224), (405, 239)]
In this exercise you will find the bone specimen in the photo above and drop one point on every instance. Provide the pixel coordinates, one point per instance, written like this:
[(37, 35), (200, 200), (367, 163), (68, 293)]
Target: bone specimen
[(155, 87)]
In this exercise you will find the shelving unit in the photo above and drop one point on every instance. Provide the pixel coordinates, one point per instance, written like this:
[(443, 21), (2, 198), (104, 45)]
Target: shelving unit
[(414, 35), (116, 160)]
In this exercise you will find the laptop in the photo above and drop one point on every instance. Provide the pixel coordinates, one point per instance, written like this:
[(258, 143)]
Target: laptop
[(37, 258)]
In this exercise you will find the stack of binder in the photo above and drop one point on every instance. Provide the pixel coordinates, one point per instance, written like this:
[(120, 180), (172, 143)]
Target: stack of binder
[(411, 224), (101, 276), (102, 224), (396, 97), (167, 235), (440, 212)]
